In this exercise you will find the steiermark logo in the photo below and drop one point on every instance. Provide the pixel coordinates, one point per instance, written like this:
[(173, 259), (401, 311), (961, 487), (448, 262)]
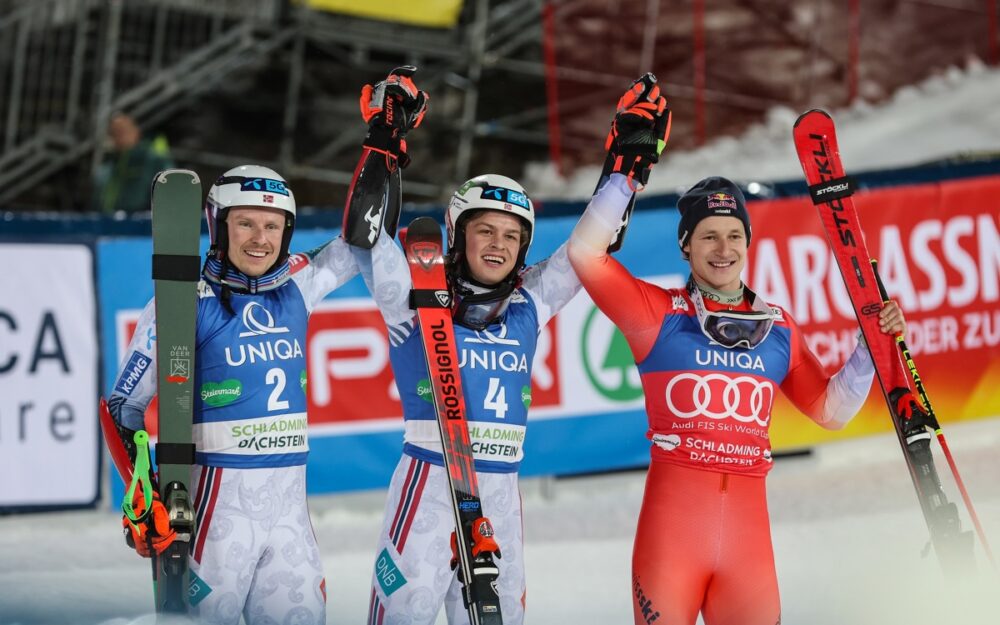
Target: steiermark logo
[(221, 393), (302, 380), (424, 390), (607, 359), (526, 396)]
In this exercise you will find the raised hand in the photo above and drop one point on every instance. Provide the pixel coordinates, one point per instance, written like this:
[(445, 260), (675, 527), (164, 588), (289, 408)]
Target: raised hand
[(392, 108), (639, 130)]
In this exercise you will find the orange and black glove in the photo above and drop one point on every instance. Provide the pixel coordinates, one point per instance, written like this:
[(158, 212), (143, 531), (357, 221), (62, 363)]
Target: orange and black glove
[(151, 532), (639, 131), (392, 108)]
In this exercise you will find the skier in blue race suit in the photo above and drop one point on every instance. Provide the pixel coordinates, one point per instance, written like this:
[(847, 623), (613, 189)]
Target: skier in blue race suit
[(254, 553), (499, 312), (499, 308)]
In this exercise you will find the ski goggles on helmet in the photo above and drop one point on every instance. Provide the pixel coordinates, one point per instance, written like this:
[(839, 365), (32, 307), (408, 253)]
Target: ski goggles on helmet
[(734, 328), (477, 309)]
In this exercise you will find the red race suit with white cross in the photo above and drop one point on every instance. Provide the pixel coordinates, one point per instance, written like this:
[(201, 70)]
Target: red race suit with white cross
[(703, 541)]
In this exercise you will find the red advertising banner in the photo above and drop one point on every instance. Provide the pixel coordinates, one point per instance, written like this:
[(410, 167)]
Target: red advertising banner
[(938, 247)]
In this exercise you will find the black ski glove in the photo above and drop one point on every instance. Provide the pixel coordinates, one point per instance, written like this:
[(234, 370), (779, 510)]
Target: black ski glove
[(639, 130), (392, 108)]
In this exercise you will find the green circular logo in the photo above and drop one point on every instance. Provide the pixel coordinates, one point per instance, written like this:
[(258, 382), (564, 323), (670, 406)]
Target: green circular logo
[(612, 376), (424, 390)]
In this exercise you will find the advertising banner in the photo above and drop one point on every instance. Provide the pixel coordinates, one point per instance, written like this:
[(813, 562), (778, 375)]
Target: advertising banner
[(938, 247), (49, 440), (939, 251), (585, 388)]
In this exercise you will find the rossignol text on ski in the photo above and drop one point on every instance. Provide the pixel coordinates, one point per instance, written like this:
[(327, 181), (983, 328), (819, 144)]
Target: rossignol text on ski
[(473, 542)]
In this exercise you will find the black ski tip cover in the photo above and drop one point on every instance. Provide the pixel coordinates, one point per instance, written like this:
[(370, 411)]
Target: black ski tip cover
[(811, 112), (423, 228)]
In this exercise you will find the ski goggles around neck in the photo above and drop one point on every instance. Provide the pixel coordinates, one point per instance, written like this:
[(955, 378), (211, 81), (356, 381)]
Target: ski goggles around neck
[(476, 309), (734, 328)]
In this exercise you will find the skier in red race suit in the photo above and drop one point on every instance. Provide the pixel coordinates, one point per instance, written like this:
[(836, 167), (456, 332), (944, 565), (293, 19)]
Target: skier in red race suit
[(712, 357)]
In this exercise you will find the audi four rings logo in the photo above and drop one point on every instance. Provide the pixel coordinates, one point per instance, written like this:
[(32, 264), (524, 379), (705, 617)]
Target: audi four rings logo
[(743, 398)]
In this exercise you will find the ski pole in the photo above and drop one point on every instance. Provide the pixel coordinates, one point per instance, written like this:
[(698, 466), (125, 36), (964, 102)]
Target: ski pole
[(141, 475), (908, 358)]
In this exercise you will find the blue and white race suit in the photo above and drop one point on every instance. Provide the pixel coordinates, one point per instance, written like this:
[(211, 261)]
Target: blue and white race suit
[(254, 554), (413, 577)]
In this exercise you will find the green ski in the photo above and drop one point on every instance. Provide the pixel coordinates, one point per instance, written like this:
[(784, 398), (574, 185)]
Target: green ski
[(176, 206)]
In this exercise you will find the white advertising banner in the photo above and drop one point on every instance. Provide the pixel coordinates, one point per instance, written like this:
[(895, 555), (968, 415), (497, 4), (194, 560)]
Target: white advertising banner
[(48, 376)]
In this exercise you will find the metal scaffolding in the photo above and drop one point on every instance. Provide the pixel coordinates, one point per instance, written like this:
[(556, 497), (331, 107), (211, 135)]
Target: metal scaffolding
[(67, 65)]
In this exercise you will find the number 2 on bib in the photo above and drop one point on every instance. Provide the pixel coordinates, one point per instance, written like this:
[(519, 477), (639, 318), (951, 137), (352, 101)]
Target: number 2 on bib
[(276, 376)]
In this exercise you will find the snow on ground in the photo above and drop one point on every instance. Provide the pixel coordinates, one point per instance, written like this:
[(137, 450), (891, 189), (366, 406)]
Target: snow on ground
[(847, 529), (957, 112)]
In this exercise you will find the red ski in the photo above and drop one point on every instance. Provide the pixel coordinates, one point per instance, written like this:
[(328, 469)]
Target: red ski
[(473, 544), (831, 190)]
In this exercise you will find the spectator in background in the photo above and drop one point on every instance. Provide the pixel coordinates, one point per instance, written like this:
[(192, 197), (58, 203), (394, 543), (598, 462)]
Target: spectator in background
[(123, 181)]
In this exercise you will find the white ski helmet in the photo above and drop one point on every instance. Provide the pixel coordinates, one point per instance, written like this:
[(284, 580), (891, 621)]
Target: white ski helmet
[(247, 185), (488, 192)]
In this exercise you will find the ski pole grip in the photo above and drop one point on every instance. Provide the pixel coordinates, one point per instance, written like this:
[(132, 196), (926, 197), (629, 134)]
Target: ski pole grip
[(142, 477), (878, 280)]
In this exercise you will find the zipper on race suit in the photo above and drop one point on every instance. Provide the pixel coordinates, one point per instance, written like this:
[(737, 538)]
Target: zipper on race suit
[(724, 483)]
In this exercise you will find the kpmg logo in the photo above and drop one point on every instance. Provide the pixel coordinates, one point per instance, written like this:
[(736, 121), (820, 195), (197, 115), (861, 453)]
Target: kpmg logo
[(132, 373), (259, 321)]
